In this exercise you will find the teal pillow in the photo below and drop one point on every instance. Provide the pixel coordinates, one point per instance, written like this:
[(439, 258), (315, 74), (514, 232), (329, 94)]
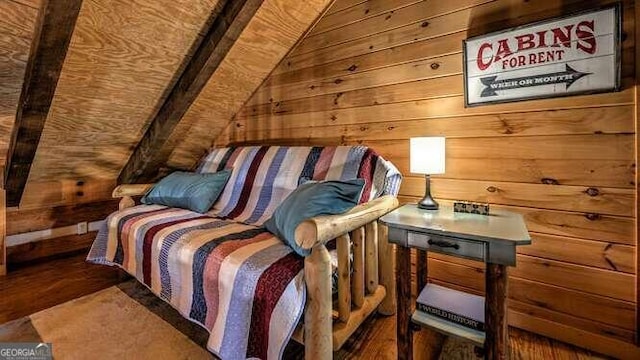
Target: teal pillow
[(196, 192), (310, 200)]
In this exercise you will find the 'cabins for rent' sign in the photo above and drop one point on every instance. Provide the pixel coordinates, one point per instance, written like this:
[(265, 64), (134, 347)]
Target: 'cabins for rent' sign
[(558, 57)]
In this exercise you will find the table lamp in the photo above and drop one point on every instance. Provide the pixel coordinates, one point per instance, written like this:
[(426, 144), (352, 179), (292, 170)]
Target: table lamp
[(426, 156)]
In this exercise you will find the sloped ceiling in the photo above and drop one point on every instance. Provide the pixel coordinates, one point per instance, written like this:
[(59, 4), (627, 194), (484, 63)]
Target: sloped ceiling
[(273, 31), (123, 55), (17, 21)]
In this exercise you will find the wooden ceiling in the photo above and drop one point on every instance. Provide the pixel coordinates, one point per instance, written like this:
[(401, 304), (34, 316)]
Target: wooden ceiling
[(16, 30), (273, 32), (124, 58)]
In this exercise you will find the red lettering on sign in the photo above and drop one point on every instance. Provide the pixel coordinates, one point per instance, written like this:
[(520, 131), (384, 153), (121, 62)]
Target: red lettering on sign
[(479, 59), (503, 50), (541, 38), (564, 38), (581, 34), (526, 42), (584, 32)]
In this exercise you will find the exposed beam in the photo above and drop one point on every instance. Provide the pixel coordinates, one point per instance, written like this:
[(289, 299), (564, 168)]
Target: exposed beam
[(224, 31), (56, 21)]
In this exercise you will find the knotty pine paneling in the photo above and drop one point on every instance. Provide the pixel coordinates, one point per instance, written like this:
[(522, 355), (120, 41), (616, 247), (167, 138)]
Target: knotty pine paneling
[(379, 72), (335, 19)]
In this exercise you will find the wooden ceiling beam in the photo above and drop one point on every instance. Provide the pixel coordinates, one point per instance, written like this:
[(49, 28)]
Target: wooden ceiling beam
[(224, 31), (56, 22)]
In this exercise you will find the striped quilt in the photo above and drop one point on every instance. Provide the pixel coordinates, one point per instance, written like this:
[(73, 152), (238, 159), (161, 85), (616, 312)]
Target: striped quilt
[(222, 270), (263, 176)]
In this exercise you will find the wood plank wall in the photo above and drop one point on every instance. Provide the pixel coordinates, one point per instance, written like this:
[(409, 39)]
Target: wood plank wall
[(378, 72)]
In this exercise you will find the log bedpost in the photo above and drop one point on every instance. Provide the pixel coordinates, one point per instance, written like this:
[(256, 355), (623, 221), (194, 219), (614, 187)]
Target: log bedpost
[(343, 243), (358, 276), (371, 256), (318, 332)]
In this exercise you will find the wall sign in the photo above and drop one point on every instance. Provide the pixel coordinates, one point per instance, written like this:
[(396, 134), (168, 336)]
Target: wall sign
[(571, 55)]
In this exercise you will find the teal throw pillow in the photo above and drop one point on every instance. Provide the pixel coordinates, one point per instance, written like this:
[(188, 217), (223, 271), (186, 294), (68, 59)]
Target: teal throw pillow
[(196, 192), (309, 200)]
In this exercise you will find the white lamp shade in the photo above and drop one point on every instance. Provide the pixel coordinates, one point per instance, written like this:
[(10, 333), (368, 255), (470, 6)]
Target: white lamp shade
[(426, 155)]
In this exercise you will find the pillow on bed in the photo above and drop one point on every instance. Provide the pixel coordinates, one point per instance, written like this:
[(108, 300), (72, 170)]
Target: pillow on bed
[(309, 200), (196, 192)]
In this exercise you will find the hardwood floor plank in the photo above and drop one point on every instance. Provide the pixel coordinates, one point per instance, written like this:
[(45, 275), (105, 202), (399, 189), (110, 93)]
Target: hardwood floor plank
[(33, 288)]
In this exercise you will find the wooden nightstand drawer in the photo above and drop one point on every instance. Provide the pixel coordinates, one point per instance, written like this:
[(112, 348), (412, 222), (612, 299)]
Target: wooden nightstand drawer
[(458, 247)]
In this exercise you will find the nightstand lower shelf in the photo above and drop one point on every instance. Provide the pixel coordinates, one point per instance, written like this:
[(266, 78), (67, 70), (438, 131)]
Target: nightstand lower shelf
[(448, 328)]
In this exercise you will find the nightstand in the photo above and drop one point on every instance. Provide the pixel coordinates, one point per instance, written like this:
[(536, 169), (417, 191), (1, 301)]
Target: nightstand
[(491, 239)]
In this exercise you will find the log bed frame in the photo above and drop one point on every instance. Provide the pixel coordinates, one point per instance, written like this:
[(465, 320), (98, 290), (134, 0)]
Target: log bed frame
[(370, 286)]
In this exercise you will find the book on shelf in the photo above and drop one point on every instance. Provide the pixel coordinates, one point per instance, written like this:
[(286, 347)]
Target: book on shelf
[(452, 305)]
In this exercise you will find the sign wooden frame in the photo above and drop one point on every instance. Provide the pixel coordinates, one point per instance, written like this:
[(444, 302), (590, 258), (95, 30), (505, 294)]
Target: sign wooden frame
[(532, 81)]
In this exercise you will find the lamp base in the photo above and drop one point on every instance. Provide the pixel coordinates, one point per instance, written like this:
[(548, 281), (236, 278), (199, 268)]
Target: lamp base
[(428, 203)]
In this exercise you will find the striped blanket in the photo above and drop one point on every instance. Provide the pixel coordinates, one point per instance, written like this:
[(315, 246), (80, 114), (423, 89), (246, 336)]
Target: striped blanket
[(223, 270), (263, 176)]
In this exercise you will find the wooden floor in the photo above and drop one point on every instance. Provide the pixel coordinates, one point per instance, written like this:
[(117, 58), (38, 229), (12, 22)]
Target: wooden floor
[(30, 289)]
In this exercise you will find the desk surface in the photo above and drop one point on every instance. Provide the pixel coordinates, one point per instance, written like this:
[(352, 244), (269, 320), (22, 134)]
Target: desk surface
[(501, 226)]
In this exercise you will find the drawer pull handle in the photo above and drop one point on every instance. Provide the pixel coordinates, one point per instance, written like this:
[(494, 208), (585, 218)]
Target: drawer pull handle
[(443, 244)]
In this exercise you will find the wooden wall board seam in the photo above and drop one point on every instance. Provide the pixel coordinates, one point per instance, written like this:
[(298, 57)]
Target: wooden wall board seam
[(384, 33), (439, 267), (334, 98), (392, 111), (379, 30), (533, 287), (437, 178), (346, 77), (477, 269), (623, 97), (371, 60), (335, 8), (578, 322), (599, 343), (566, 229), (368, 14), (593, 253), (509, 135), (531, 207)]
